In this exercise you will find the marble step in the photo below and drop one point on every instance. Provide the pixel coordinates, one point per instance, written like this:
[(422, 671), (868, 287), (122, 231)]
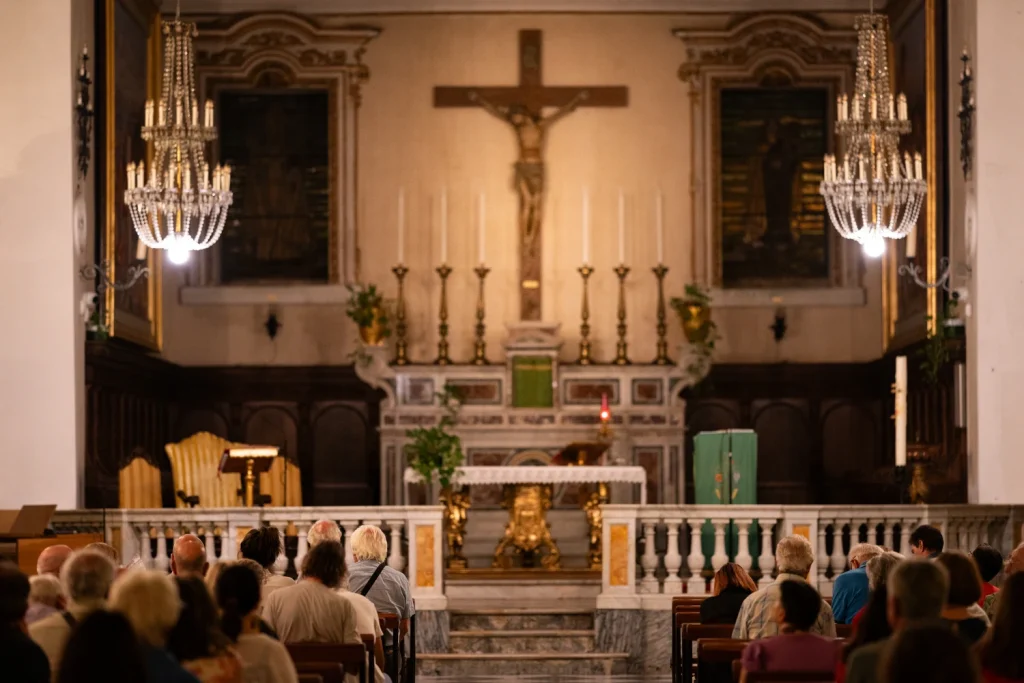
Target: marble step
[(555, 664), (526, 640), (521, 619)]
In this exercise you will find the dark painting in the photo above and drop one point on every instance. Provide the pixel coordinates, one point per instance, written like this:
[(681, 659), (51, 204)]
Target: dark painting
[(773, 225), (278, 145)]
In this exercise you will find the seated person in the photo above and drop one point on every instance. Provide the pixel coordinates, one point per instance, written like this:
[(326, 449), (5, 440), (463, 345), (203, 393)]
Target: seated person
[(850, 590), (927, 652), (732, 585), (926, 541), (263, 545), (22, 660), (45, 597), (104, 648), (794, 557), (188, 557), (990, 563), (390, 591), (197, 641), (964, 593), (310, 610), (1000, 653), (879, 567), (795, 648)]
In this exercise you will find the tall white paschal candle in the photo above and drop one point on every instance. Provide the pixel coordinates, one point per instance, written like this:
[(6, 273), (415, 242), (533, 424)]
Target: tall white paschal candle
[(912, 242), (622, 227), (444, 226), (401, 225), (901, 410), (482, 221), (659, 212), (586, 226)]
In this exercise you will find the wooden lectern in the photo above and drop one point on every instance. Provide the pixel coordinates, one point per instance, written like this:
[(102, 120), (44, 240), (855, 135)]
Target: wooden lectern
[(248, 461)]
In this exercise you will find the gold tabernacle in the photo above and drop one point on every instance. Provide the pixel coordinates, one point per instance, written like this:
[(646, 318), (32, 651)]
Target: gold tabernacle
[(527, 532)]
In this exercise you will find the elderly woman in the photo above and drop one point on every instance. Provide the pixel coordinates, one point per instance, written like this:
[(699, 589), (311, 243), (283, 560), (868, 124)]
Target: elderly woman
[(387, 588), (150, 602), (871, 623)]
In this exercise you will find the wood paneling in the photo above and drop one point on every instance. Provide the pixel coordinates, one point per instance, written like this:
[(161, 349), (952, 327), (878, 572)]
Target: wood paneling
[(323, 418)]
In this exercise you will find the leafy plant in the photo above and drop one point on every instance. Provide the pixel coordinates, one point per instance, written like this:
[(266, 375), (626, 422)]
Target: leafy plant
[(934, 354), (435, 451), (694, 310), (697, 293), (366, 306), (96, 326)]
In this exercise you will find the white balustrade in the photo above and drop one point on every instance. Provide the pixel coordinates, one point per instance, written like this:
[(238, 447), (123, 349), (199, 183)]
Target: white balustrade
[(965, 527), (133, 530)]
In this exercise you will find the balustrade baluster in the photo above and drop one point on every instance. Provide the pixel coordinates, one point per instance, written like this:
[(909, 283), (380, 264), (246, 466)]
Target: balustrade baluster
[(649, 560), (822, 559), (161, 561), (743, 557), (205, 534), (302, 546), (838, 559), (961, 536), (673, 560), (695, 558), (347, 530), (906, 525), (720, 558), (149, 545), (281, 563), (395, 558), (887, 529), (973, 534), (871, 531), (766, 560)]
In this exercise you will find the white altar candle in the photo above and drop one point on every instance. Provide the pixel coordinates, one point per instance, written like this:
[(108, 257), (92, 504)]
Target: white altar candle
[(586, 225), (622, 227), (901, 410), (660, 226), (401, 225), (482, 228), (912, 242), (444, 226)]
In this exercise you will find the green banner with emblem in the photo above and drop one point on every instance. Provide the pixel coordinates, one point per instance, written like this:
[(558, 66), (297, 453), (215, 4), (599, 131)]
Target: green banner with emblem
[(725, 473)]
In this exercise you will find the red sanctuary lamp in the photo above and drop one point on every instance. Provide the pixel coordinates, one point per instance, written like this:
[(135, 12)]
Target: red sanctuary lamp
[(605, 417)]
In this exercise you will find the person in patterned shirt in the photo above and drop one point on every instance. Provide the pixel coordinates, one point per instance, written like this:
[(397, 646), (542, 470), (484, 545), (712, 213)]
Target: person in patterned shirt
[(793, 557)]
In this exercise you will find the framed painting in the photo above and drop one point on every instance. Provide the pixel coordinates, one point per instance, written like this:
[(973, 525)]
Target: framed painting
[(772, 227), (127, 73), (918, 51)]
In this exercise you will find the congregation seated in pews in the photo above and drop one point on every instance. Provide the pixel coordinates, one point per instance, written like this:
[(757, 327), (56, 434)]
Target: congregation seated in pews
[(233, 622), (898, 620)]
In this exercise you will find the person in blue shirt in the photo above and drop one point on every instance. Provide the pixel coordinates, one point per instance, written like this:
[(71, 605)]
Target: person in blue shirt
[(850, 590)]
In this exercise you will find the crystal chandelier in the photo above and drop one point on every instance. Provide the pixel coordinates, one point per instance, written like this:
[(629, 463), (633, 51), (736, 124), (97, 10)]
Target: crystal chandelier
[(874, 193), (179, 205)]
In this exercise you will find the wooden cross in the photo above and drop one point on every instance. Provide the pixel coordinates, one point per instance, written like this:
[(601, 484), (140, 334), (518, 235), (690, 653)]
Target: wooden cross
[(522, 106)]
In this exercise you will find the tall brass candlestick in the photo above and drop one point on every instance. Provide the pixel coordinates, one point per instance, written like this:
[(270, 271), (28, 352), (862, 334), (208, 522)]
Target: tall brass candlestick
[(662, 358), (442, 328), (480, 348), (585, 272), (621, 346), (401, 358)]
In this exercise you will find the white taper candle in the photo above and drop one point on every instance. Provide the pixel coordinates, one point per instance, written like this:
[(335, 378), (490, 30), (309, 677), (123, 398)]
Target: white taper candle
[(901, 410)]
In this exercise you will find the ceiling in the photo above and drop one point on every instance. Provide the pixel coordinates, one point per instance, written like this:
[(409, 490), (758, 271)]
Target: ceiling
[(504, 6)]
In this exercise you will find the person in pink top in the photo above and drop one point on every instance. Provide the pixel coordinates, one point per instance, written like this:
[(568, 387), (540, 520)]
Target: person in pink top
[(794, 649)]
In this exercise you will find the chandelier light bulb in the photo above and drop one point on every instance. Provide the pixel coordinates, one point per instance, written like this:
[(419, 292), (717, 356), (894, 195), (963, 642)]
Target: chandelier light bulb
[(178, 253), (874, 246)]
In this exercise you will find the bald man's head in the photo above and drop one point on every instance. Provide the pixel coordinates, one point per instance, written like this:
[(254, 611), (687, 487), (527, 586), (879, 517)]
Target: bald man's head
[(324, 530), (189, 557), (52, 559)]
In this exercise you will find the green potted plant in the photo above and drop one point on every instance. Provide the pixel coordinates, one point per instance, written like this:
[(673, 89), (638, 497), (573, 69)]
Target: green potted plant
[(366, 310), (435, 453)]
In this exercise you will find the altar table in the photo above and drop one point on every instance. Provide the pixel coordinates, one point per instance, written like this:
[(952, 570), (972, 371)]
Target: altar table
[(544, 474)]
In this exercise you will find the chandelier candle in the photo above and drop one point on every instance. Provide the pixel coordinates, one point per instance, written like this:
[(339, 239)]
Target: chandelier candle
[(169, 211)]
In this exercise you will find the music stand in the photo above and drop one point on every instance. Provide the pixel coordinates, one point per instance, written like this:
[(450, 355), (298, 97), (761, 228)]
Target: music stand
[(248, 461)]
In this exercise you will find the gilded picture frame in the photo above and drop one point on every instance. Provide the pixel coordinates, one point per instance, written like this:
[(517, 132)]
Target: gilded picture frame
[(128, 74)]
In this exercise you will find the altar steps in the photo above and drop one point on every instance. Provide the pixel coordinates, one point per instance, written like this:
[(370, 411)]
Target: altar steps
[(516, 641)]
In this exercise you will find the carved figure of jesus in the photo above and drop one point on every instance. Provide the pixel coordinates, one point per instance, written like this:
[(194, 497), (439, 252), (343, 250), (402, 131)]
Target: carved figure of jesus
[(531, 133)]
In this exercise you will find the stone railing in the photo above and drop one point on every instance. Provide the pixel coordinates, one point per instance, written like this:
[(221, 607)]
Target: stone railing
[(414, 533), (653, 552)]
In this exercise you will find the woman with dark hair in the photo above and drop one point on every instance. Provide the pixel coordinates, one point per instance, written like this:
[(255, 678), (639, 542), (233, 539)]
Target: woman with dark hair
[(795, 648), (990, 563), (872, 627), (263, 658), (964, 593), (263, 545), (927, 651), (103, 648), (732, 584), (1001, 652), (197, 640)]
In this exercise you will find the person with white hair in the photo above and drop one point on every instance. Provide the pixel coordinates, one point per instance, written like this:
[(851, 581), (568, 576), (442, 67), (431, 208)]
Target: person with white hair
[(46, 597), (323, 530), (386, 587), (151, 603), (850, 590), (793, 558), (86, 577)]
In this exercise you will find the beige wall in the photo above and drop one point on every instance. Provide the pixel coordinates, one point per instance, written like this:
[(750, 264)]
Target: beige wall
[(406, 142)]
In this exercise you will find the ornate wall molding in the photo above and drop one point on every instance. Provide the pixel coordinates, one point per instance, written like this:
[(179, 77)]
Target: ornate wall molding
[(753, 50), (288, 51)]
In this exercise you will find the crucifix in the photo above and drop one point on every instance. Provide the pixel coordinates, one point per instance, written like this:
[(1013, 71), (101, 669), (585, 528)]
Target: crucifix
[(522, 107)]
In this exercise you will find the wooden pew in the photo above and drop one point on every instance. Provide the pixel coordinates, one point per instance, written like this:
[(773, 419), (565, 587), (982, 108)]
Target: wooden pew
[(844, 631), (718, 652), (330, 661), (690, 633), (311, 678), (390, 621), (782, 676), (680, 619)]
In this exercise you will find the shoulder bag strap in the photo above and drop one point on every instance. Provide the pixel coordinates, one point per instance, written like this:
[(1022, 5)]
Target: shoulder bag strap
[(373, 579)]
